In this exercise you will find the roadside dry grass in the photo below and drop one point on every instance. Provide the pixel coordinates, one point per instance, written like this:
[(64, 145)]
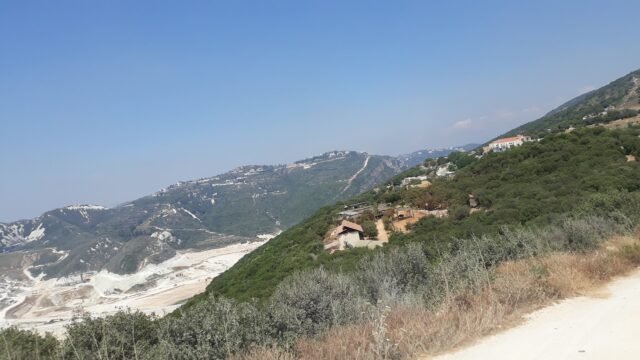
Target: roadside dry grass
[(513, 289)]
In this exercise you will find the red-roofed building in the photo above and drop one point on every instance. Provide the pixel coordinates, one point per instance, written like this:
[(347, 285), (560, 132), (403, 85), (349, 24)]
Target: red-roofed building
[(507, 143), (347, 235)]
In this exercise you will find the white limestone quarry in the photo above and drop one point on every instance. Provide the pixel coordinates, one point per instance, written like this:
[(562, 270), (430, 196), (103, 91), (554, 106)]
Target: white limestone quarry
[(48, 305)]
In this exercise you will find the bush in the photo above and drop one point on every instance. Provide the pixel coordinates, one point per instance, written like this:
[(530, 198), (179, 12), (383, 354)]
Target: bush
[(25, 344), (313, 301), (370, 229), (213, 329), (460, 212), (461, 159), (124, 335)]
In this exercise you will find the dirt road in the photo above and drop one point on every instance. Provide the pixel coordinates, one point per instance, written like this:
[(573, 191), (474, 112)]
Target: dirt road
[(604, 326), (382, 232)]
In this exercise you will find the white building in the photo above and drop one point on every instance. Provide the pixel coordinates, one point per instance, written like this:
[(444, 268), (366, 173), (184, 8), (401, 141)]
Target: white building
[(507, 143), (347, 236)]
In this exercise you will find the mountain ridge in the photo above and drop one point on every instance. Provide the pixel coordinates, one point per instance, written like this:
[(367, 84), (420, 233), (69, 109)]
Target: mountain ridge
[(236, 206), (619, 99)]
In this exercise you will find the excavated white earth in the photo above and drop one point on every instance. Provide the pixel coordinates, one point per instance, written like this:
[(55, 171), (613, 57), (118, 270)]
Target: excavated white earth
[(48, 305)]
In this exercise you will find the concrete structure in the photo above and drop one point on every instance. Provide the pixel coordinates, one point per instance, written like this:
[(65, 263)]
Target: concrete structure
[(473, 201), (349, 235), (506, 143), (419, 179)]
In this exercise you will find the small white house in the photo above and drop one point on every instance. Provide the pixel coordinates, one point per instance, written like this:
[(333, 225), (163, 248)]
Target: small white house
[(507, 143), (349, 235)]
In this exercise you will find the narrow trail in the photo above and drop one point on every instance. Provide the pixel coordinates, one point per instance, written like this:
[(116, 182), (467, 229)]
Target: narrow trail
[(366, 162), (382, 232), (605, 326)]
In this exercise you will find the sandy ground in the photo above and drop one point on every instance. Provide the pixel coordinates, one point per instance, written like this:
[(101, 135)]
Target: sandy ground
[(382, 232), (603, 326), (401, 225), (48, 305)]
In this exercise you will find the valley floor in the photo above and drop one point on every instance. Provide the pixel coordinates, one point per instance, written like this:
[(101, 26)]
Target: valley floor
[(48, 305), (601, 326)]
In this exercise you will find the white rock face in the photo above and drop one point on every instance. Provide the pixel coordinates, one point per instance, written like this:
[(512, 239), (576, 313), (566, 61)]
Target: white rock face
[(85, 207), (162, 235), (36, 234), (12, 234)]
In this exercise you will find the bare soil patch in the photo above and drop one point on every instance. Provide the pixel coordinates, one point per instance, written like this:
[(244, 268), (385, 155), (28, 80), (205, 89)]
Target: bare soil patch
[(382, 232)]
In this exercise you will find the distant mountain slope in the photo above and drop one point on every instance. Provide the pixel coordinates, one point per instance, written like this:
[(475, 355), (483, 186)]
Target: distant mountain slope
[(418, 157), (229, 208), (618, 99)]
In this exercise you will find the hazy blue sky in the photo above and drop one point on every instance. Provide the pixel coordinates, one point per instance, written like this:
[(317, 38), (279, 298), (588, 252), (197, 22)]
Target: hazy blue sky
[(105, 101)]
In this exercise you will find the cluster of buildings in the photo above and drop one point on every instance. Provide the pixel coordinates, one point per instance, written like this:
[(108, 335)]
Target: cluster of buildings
[(603, 113), (349, 234)]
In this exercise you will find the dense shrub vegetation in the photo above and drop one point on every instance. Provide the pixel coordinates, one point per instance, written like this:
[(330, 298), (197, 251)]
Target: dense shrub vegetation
[(24, 344)]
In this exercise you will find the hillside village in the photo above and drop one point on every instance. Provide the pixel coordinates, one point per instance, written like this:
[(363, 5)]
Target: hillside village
[(370, 225)]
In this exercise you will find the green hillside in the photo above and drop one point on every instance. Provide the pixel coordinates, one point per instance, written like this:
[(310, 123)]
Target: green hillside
[(619, 99), (536, 184)]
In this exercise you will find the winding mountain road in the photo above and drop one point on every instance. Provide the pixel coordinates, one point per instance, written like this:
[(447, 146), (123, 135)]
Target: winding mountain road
[(350, 180)]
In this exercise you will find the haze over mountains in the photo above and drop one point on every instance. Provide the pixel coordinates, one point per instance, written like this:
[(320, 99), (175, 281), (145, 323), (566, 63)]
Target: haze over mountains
[(245, 204)]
